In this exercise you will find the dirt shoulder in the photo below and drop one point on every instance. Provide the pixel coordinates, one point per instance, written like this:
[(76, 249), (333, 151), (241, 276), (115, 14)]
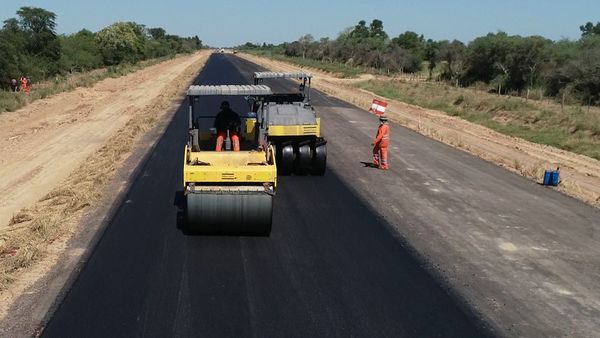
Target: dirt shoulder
[(44, 142), (580, 174), (58, 155)]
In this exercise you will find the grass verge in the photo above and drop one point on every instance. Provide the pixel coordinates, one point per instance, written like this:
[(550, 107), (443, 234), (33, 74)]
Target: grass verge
[(10, 101), (571, 128)]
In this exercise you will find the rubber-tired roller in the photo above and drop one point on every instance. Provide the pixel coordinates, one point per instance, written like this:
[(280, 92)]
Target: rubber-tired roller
[(293, 127), (227, 192)]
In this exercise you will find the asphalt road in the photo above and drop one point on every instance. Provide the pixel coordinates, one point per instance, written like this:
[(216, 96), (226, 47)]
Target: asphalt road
[(332, 266)]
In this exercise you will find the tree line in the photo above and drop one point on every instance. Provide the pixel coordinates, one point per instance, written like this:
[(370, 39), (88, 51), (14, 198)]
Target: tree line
[(506, 63), (30, 46)]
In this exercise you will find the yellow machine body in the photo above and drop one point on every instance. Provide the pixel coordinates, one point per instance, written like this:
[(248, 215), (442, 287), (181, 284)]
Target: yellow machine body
[(243, 167), (250, 131), (296, 130)]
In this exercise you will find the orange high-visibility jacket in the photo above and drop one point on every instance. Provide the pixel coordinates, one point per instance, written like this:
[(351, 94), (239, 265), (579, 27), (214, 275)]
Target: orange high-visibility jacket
[(383, 136)]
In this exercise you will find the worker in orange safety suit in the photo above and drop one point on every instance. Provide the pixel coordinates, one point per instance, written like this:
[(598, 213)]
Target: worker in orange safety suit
[(381, 143), (24, 87), (227, 120)]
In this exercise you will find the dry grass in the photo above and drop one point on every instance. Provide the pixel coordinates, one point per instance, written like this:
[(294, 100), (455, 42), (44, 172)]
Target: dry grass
[(26, 239), (571, 128)]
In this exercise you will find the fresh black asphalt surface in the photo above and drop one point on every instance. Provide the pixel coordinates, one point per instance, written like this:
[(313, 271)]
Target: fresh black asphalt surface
[(331, 266)]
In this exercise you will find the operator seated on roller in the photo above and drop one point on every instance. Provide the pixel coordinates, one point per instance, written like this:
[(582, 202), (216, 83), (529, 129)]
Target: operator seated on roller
[(227, 120)]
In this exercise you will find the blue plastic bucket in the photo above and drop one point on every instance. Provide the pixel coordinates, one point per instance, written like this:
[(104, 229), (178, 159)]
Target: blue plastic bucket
[(551, 177)]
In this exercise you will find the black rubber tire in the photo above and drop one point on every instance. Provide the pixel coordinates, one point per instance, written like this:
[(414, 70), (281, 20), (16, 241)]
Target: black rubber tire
[(229, 214), (319, 162), (303, 160), (286, 160)]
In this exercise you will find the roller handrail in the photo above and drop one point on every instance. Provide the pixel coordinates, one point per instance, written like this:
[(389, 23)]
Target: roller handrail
[(282, 75), (229, 90)]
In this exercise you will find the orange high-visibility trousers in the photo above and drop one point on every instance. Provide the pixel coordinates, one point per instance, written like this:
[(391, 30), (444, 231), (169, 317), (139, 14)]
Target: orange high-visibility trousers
[(380, 156), (235, 139)]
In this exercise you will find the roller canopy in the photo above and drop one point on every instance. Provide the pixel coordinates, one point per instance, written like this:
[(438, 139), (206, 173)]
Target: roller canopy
[(229, 90), (277, 75)]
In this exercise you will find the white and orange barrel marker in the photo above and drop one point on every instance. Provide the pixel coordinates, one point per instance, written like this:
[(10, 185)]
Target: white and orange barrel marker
[(378, 107)]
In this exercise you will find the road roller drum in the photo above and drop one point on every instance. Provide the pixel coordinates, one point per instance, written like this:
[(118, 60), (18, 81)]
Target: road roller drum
[(229, 210)]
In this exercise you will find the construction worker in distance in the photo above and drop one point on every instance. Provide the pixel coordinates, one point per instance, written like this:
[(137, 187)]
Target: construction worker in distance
[(23, 81), (227, 120), (381, 143), (28, 79)]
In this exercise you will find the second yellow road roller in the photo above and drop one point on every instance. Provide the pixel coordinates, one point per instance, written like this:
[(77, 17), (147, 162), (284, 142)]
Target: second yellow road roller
[(292, 126)]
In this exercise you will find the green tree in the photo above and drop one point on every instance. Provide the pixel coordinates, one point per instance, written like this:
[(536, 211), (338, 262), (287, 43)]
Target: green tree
[(80, 51), (360, 31), (12, 25), (555, 73), (157, 33), (305, 41), (486, 59), (398, 59), (293, 49), (590, 29), (39, 27), (12, 45), (197, 42), (376, 30), (411, 41), (510, 62), (579, 74), (431, 55), (452, 56), (526, 58), (9, 61), (120, 42)]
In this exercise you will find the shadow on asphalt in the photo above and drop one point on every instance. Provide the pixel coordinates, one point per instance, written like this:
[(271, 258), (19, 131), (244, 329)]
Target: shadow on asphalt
[(369, 165)]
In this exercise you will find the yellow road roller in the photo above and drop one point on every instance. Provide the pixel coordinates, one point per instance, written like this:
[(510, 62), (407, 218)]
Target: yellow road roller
[(292, 126), (228, 192)]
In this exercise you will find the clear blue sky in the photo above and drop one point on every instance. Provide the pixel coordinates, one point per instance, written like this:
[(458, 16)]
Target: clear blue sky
[(232, 22)]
